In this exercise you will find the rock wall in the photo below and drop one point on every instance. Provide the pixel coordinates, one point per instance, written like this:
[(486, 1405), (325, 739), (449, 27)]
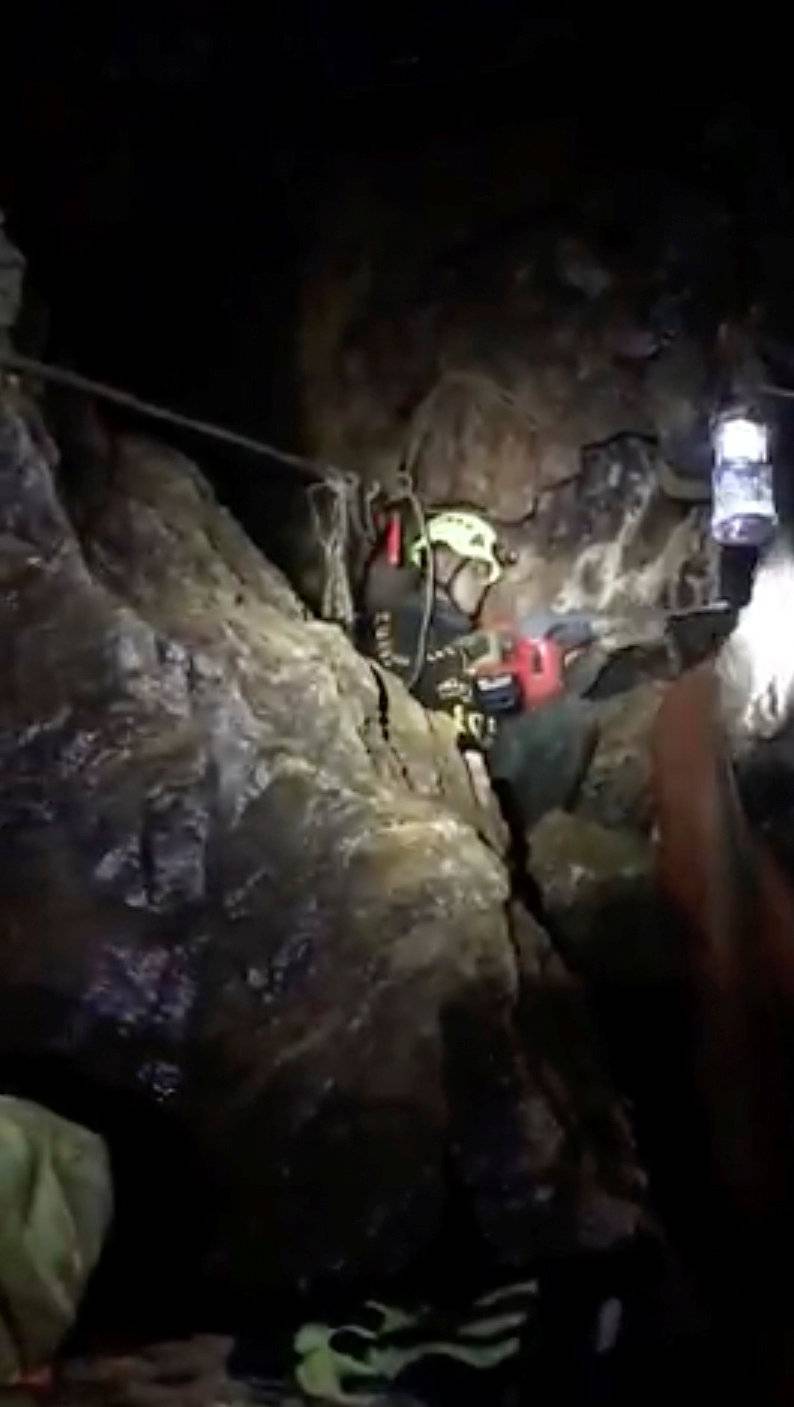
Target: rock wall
[(526, 338), (245, 881)]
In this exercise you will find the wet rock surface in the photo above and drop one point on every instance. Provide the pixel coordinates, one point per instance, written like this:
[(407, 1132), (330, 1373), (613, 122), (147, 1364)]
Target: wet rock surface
[(247, 888), (549, 363), (572, 857), (599, 893), (616, 790), (611, 540)]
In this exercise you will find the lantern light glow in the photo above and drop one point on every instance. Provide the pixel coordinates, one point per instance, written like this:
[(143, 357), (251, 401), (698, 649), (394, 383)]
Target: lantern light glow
[(743, 512), (742, 440)]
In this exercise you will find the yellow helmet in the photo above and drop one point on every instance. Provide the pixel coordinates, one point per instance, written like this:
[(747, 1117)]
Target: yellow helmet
[(465, 533)]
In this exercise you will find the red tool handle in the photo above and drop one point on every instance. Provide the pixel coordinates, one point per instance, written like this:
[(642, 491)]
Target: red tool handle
[(394, 545)]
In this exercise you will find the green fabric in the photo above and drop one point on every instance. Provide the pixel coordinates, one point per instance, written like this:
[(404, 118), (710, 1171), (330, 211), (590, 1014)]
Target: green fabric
[(56, 1203), (372, 1359)]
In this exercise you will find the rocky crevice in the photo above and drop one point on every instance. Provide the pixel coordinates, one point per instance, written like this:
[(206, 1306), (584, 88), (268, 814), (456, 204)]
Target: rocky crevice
[(228, 896)]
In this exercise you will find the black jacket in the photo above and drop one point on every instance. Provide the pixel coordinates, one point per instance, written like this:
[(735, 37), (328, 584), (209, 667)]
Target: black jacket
[(391, 635)]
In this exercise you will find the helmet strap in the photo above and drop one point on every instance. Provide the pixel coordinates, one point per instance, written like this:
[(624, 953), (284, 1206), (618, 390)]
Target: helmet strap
[(447, 585)]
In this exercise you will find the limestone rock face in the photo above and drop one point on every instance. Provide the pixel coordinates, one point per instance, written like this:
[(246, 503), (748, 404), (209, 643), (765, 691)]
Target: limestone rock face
[(601, 898), (514, 357), (573, 856), (246, 882), (611, 541), (617, 788)]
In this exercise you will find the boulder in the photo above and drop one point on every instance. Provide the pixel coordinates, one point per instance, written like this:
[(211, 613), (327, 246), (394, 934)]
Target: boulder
[(247, 886), (573, 859), (616, 791), (600, 896)]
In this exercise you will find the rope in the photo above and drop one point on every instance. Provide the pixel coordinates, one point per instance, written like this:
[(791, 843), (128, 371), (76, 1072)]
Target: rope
[(74, 381), (406, 490), (349, 505), (337, 601)]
